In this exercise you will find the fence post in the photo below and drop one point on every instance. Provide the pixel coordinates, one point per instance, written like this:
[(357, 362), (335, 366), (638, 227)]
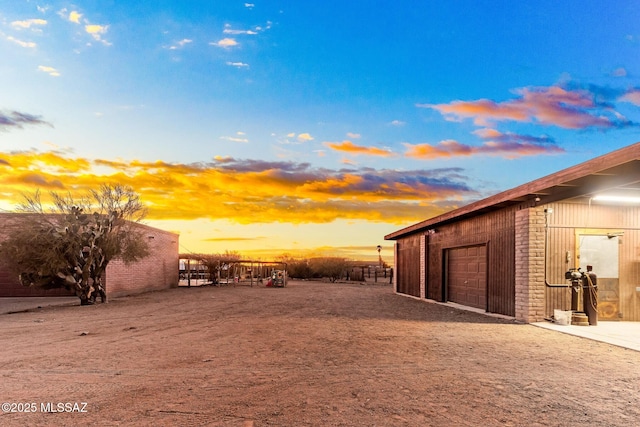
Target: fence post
[(189, 272)]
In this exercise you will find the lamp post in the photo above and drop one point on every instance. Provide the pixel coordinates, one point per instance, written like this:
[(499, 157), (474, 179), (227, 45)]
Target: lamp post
[(379, 248)]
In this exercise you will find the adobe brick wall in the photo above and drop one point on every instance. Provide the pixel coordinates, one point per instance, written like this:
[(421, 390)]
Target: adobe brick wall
[(530, 287), (10, 286), (158, 271)]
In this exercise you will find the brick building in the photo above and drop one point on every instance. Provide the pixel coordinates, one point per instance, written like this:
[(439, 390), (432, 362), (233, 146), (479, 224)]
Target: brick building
[(508, 253), (157, 271)]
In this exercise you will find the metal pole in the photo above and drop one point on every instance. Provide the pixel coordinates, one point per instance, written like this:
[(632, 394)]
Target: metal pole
[(189, 272)]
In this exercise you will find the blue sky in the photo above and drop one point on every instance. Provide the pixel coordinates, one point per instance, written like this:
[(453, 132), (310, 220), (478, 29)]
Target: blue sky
[(309, 127)]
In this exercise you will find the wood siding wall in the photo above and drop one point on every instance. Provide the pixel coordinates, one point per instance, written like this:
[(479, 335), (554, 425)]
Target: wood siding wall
[(561, 251), (494, 229), (408, 268)]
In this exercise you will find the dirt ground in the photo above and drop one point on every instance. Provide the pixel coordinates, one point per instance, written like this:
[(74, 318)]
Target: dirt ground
[(310, 354)]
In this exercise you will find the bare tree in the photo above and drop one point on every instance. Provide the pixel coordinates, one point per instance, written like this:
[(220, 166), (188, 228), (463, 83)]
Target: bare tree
[(71, 244), (214, 262), (296, 267), (331, 267)]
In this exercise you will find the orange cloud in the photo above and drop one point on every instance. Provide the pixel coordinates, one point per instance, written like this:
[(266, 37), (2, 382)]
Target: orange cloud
[(244, 191), (496, 143), (350, 147), (449, 148), (632, 96), (571, 109), (225, 43)]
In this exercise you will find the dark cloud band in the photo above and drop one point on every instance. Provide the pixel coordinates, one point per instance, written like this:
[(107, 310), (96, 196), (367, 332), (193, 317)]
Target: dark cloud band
[(16, 119)]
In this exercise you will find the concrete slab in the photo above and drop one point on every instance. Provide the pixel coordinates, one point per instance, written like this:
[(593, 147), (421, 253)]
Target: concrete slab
[(621, 334), (19, 304)]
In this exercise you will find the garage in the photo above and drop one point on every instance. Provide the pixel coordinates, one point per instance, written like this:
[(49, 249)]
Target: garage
[(466, 276), (509, 254)]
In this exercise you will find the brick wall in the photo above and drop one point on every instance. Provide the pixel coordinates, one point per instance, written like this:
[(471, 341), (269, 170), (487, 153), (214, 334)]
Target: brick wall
[(157, 271), (10, 286), (530, 287)]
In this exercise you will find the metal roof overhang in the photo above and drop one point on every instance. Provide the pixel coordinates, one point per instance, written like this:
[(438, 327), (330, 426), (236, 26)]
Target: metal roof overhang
[(616, 172)]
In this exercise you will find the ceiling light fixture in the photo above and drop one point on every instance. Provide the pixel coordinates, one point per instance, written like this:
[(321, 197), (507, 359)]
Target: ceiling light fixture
[(620, 199)]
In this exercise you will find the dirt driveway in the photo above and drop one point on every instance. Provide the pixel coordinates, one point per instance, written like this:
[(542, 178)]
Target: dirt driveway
[(310, 354)]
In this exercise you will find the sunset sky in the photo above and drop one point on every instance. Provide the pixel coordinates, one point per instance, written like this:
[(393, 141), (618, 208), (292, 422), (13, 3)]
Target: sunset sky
[(309, 127)]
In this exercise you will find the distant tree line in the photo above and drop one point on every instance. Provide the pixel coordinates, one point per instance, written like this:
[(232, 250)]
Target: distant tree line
[(332, 268)]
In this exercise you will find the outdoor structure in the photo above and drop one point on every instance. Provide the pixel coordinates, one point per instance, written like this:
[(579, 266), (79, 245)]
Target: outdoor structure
[(199, 269), (157, 271), (508, 253), (250, 272)]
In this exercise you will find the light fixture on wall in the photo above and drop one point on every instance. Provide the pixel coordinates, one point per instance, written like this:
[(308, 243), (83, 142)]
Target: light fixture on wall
[(615, 198)]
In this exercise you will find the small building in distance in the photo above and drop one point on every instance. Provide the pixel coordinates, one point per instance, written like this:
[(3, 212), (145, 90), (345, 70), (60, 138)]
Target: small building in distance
[(157, 271)]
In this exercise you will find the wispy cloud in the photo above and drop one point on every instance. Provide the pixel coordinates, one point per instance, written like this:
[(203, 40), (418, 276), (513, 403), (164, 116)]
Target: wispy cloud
[(632, 95), (554, 105), (97, 31), (507, 145), (353, 135), (225, 43), (247, 191), (180, 44), (238, 138), (22, 43), (619, 72), (49, 70), (16, 119), (351, 148), (397, 123), (304, 137), (74, 16), (238, 64), (229, 30), (260, 28), (29, 23), (234, 239), (298, 138)]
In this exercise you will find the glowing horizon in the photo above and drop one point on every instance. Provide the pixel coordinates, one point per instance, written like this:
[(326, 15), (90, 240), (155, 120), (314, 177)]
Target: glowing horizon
[(296, 127)]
